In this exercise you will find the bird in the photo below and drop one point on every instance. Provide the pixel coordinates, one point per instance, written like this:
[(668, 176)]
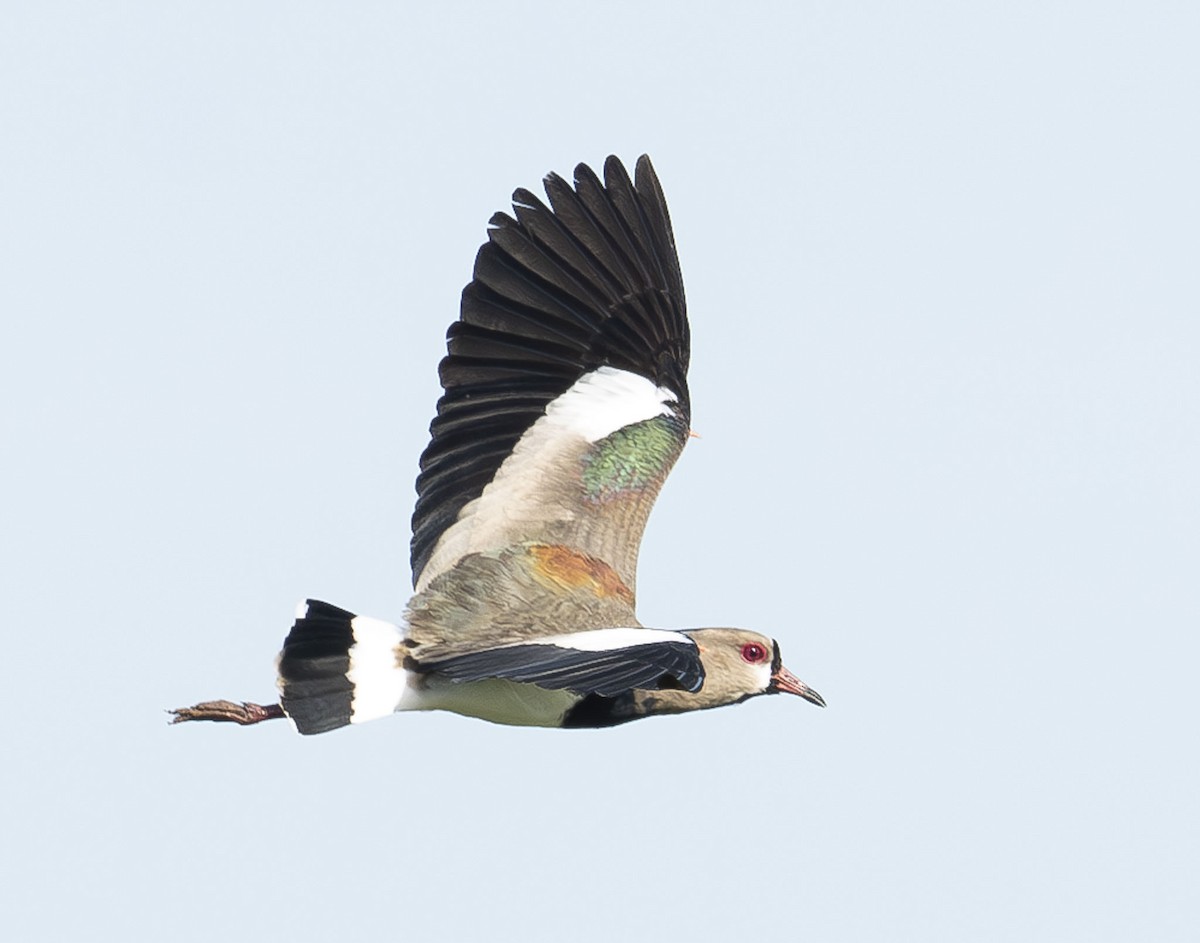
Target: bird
[(565, 405)]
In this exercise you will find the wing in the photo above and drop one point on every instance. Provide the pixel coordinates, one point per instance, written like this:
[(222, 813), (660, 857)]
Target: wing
[(566, 400), (607, 662)]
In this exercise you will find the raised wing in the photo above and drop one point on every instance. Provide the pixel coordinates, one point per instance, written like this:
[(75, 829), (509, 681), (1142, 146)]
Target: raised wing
[(566, 400)]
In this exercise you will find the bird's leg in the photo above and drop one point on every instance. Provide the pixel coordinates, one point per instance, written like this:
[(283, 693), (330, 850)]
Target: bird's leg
[(227, 712)]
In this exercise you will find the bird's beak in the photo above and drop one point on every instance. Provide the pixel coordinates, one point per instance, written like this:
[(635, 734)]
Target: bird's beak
[(786, 682)]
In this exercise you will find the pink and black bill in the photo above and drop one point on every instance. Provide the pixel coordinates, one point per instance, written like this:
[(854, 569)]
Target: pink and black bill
[(784, 682)]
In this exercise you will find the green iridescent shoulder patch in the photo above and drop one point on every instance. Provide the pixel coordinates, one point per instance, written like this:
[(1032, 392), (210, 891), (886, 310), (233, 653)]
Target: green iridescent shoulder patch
[(634, 458)]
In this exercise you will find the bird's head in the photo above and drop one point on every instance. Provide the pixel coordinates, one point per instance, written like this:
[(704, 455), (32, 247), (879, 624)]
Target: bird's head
[(740, 664)]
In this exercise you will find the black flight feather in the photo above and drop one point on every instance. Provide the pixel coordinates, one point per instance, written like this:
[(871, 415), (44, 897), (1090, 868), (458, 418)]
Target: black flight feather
[(608, 673)]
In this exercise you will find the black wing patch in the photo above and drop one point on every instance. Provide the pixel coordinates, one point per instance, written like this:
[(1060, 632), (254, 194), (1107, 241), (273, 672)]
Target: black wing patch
[(611, 672), (591, 281)]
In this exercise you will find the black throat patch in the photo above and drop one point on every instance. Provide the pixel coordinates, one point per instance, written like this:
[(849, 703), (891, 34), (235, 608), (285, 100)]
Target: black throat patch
[(596, 710)]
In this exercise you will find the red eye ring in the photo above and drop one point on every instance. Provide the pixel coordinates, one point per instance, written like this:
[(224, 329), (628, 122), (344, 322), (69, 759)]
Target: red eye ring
[(754, 653)]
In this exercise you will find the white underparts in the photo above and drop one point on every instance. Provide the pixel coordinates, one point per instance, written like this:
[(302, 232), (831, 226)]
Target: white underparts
[(375, 672), (493, 699)]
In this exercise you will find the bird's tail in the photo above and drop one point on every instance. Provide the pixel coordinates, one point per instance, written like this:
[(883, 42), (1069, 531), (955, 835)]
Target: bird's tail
[(337, 668)]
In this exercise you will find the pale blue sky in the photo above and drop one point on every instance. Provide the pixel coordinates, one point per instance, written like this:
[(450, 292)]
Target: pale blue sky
[(941, 262)]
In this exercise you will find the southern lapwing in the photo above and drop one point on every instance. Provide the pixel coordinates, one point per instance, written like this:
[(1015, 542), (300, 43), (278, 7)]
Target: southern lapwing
[(565, 406)]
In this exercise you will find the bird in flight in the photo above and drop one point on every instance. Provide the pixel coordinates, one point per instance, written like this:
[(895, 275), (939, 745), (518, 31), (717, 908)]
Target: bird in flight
[(565, 406)]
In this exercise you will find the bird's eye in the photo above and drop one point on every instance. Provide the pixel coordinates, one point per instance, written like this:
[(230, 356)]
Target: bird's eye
[(754, 653)]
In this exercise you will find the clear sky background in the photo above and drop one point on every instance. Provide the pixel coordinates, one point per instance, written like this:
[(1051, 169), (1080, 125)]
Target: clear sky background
[(941, 262)]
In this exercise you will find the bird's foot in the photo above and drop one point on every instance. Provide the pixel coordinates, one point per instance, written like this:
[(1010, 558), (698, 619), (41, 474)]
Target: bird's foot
[(227, 712)]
